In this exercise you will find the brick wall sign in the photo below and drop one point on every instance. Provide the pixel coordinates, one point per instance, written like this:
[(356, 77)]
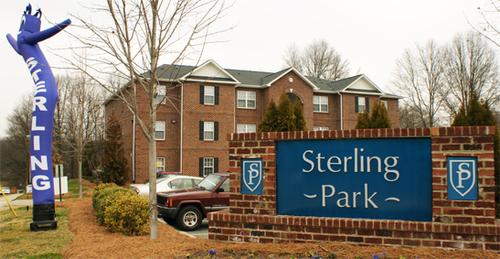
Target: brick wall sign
[(419, 187), (356, 178), (462, 178)]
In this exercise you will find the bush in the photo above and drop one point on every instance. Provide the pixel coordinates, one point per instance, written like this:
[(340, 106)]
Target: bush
[(106, 198), (98, 189), (128, 215)]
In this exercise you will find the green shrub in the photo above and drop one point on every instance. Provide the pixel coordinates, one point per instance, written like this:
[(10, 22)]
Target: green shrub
[(98, 189), (128, 214), (106, 198)]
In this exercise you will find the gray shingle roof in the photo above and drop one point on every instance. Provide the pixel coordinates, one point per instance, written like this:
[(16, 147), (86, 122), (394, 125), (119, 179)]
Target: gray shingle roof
[(256, 78)]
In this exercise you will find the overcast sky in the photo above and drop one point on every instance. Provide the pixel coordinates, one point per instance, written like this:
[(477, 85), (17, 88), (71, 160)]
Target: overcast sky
[(370, 34)]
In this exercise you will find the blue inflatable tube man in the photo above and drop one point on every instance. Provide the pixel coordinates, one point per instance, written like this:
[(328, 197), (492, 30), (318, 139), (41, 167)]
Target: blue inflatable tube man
[(42, 121)]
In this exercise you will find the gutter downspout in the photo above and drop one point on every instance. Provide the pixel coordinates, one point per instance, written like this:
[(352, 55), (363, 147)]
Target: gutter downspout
[(341, 119), (133, 151), (133, 139), (182, 124)]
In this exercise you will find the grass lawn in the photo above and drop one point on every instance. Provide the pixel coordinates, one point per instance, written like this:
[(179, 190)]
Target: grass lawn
[(18, 241)]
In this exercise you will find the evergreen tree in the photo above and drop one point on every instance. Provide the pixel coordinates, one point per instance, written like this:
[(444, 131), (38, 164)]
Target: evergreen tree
[(114, 162), (363, 121), (300, 121), (380, 118), (286, 116), (477, 114), (270, 121)]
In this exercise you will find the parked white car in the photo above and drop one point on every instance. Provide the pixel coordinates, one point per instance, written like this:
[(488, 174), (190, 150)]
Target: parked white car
[(6, 190), (167, 183)]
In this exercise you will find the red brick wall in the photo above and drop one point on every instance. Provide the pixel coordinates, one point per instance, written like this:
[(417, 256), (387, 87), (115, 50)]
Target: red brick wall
[(194, 112), (455, 225)]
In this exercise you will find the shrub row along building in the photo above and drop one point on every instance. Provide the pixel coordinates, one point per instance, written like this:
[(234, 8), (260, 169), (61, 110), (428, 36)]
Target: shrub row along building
[(205, 103)]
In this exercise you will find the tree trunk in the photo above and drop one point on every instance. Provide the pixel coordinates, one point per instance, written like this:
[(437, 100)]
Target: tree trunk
[(79, 176), (153, 220)]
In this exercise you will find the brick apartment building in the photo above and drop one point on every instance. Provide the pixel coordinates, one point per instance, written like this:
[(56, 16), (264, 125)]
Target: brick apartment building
[(207, 102)]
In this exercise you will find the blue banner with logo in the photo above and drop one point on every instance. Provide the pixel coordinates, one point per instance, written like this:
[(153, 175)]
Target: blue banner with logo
[(252, 179), (44, 101), (355, 178)]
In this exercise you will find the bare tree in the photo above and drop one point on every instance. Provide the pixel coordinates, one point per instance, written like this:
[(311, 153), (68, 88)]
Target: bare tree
[(471, 66), (130, 46), (16, 148), (419, 77), (409, 117), (488, 28), (319, 60), (83, 115)]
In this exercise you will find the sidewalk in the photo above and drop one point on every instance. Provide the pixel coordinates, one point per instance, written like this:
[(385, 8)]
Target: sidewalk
[(13, 202)]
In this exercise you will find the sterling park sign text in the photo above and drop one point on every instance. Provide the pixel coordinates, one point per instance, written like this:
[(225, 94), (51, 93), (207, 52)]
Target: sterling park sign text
[(355, 178)]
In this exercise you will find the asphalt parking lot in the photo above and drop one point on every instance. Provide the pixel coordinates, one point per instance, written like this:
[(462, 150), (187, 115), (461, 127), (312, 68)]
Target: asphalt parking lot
[(201, 232)]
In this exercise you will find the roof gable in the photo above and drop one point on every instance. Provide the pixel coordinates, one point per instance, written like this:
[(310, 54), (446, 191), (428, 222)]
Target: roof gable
[(363, 84), (270, 79), (211, 71)]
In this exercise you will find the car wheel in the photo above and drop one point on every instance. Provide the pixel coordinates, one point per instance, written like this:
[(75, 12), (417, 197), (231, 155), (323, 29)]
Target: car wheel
[(189, 218)]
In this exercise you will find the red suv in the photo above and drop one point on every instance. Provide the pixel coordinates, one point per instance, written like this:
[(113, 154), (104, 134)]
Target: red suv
[(188, 207)]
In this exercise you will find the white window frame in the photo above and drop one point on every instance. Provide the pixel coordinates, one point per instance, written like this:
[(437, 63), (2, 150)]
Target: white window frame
[(160, 168), (361, 107), (246, 128), (209, 92), (208, 128), (160, 129), (320, 103), (208, 165), (161, 92), (248, 97), (319, 128)]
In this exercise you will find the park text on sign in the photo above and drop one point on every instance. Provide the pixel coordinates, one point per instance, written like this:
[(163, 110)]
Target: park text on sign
[(358, 178), (462, 178), (251, 176)]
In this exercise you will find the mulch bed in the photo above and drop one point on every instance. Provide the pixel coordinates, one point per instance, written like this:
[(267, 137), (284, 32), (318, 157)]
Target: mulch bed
[(93, 241)]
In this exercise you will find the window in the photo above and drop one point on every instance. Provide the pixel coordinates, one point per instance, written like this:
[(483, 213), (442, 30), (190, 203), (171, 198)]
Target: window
[(320, 103), (225, 185), (209, 130), (361, 104), (317, 128), (160, 130), (160, 164), (209, 95), (246, 99), (181, 183), (384, 103), (208, 133), (208, 165), (246, 128), (161, 91)]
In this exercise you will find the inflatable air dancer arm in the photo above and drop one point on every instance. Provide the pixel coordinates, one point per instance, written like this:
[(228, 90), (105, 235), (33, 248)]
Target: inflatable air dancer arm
[(42, 121)]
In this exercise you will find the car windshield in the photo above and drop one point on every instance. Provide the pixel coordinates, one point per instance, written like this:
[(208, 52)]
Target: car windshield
[(210, 182)]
